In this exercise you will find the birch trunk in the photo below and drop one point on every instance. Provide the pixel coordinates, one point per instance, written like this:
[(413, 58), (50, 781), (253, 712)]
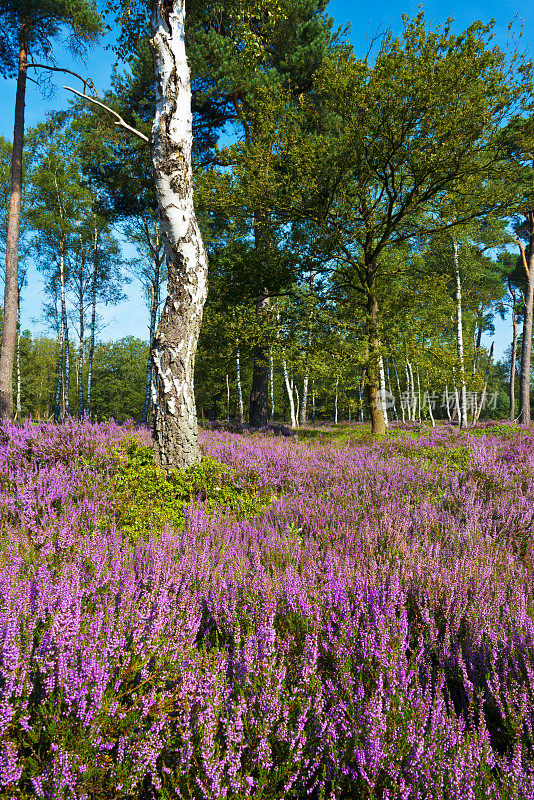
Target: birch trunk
[(65, 330), (227, 398), (9, 329), (175, 430), (413, 398), (383, 399), (378, 424), (418, 397), (399, 390), (271, 382), (238, 382), (313, 401), (289, 390), (513, 363), (391, 392), (460, 337), (447, 403), (92, 342), (303, 408), (335, 402), (80, 363)]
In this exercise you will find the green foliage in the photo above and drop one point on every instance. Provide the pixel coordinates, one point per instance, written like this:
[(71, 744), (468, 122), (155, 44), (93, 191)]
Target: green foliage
[(147, 498)]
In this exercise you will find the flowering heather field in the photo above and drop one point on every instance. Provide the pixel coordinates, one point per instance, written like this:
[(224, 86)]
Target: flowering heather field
[(325, 618)]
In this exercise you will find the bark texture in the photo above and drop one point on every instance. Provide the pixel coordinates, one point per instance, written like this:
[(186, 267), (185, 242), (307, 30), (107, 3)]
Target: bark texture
[(175, 431), (9, 331)]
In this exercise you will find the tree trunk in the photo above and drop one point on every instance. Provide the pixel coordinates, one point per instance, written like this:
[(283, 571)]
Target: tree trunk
[(448, 409), (460, 337), (239, 388), (524, 383), (291, 400), (335, 401), (303, 407), (9, 330), (65, 339), (413, 398), (271, 382), (313, 401), (383, 399), (18, 403), (227, 398), (80, 364), (260, 372), (419, 397), (511, 414), (484, 390), (175, 430), (91, 343), (378, 426)]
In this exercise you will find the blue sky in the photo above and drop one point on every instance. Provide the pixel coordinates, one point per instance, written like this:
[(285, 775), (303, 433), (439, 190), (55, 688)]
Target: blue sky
[(366, 19)]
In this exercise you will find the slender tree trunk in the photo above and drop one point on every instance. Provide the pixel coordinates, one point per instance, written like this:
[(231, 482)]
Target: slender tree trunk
[(59, 381), (65, 337), (478, 343), (448, 403), (303, 408), (175, 430), (313, 401), (335, 401), (289, 390), (524, 384), (392, 393), (398, 389), (513, 363), (260, 370), (460, 337), (91, 343), (227, 398), (419, 396), (413, 397), (484, 390), (271, 382), (9, 330), (18, 402), (383, 399), (80, 364), (378, 425), (239, 388)]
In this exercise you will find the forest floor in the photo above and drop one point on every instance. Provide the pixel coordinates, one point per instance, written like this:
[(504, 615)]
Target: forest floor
[(317, 616)]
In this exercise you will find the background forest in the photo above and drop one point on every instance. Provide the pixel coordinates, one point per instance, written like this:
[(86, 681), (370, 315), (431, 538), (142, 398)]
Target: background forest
[(364, 233)]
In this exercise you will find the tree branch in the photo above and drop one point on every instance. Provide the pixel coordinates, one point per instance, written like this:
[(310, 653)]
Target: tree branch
[(119, 121), (87, 82)]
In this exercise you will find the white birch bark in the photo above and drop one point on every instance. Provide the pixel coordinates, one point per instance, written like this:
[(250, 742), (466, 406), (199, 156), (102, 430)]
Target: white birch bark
[(335, 402), (289, 390), (383, 391), (227, 398), (447, 401), (460, 337), (271, 382), (238, 382), (175, 430), (419, 397), (485, 389)]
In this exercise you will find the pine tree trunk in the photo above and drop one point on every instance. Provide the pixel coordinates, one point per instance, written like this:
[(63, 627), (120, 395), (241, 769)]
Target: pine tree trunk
[(260, 371), (9, 330), (524, 383), (460, 337), (513, 363), (175, 430), (378, 425)]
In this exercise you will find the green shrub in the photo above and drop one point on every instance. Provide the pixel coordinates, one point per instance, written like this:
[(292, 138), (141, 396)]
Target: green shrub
[(145, 497)]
